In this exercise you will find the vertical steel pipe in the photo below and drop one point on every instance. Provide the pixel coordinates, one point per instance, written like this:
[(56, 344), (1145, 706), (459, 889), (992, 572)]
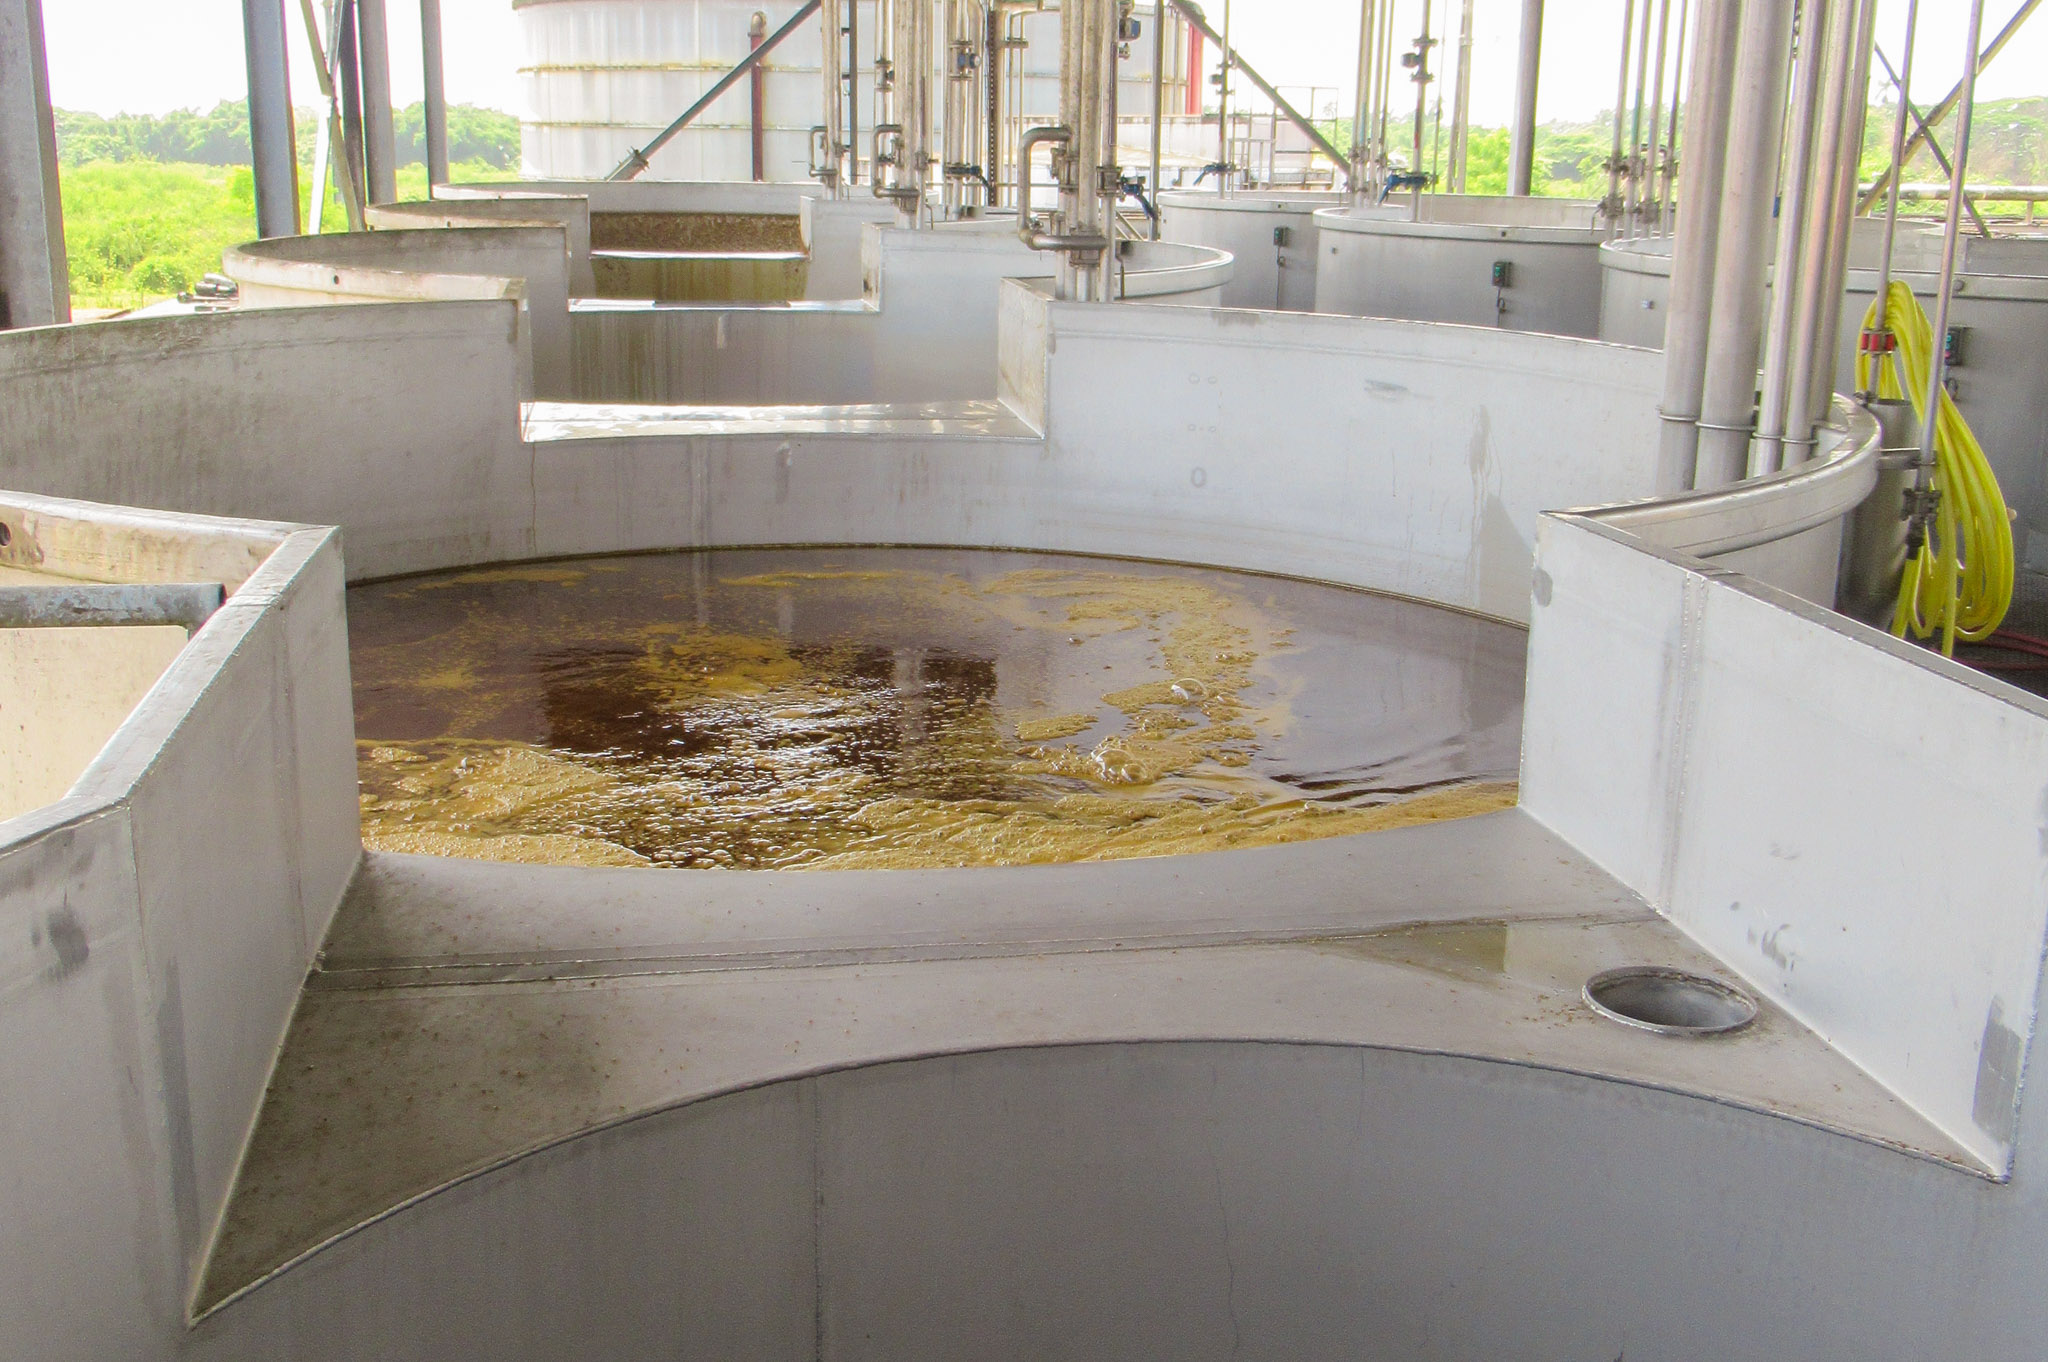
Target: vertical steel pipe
[(1820, 306), (1421, 78), (1088, 41), (380, 145), (435, 93), (350, 76), (1361, 109), (1891, 208), (992, 111), (271, 154), (1522, 140), (1742, 254), (1651, 160), (1951, 241), (1668, 167), (1461, 105), (853, 93), (1800, 209), (1689, 321), (1223, 108), (831, 133), (1159, 13), (757, 101), (1610, 206), (1632, 163)]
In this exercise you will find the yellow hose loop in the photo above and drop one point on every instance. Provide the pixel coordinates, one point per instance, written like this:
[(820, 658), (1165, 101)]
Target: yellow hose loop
[(1959, 585)]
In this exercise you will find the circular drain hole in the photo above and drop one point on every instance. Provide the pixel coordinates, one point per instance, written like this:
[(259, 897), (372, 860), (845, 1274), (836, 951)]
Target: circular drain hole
[(1669, 1001)]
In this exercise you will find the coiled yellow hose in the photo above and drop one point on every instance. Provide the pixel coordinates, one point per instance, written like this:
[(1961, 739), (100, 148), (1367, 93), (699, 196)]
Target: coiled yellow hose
[(1960, 582)]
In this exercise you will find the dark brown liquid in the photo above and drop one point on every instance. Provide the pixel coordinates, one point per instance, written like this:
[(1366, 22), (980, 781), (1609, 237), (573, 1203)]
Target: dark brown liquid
[(797, 707)]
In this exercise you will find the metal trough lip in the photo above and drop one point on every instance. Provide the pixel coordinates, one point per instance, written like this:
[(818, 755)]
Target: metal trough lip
[(189, 604)]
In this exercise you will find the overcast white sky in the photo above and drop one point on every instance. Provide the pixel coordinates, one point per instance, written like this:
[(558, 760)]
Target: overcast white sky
[(151, 56)]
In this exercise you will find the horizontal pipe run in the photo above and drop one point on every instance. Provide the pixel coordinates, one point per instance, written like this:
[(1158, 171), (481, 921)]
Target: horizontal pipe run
[(1947, 104), (186, 604)]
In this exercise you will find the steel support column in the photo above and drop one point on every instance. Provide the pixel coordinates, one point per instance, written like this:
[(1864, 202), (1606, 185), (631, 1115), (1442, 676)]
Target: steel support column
[(271, 154), (380, 144), (436, 93), (1522, 140), (35, 281)]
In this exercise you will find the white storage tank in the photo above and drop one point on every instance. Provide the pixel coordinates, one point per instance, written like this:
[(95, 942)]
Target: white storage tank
[(603, 77)]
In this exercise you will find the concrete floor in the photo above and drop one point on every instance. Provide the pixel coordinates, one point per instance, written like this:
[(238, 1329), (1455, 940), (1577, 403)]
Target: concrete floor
[(466, 1013)]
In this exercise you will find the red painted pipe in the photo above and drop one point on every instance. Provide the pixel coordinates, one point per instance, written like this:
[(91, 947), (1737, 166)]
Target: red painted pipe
[(757, 30)]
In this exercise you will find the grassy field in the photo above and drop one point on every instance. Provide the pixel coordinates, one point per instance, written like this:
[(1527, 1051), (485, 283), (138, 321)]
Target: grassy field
[(150, 202), (138, 231)]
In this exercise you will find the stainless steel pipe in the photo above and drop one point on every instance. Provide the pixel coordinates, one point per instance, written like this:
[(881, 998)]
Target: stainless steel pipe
[(1813, 368), (1742, 252), (1688, 325), (1891, 211), (1800, 212), (1951, 233)]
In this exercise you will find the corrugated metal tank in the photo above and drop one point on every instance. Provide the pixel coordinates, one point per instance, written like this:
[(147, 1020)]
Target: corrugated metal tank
[(604, 76)]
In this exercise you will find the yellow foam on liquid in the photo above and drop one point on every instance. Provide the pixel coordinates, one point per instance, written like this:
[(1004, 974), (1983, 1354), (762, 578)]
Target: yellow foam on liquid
[(1172, 778)]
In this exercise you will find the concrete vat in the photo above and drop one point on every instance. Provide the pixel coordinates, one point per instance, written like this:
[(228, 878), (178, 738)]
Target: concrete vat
[(1518, 264), (1320, 1100), (1271, 236)]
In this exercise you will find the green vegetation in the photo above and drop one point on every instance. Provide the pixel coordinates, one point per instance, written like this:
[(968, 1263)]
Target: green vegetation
[(1569, 156), (150, 203)]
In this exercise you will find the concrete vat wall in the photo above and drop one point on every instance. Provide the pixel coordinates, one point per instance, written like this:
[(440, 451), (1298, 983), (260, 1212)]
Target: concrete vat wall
[(570, 212), (528, 264), (1191, 1200), (63, 692), (1271, 238), (399, 421), (158, 922), (1923, 969), (924, 331), (651, 195), (1377, 262), (832, 231), (1431, 487), (1167, 432)]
